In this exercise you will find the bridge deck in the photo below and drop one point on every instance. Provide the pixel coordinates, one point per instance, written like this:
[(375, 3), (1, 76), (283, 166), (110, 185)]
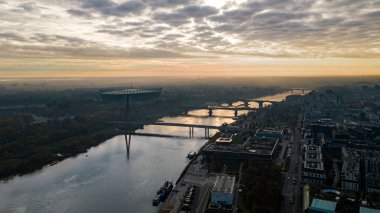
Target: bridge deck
[(179, 124), (231, 107), (128, 91), (259, 100), (176, 124), (156, 135)]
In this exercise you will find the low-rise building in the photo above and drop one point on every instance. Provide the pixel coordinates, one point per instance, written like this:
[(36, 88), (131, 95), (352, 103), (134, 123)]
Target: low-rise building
[(262, 149), (368, 210), (222, 192), (322, 206), (269, 133)]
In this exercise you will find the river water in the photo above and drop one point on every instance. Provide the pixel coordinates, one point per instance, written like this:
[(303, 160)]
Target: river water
[(106, 179)]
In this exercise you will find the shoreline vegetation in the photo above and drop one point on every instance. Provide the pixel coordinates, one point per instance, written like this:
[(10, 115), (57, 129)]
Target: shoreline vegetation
[(69, 122)]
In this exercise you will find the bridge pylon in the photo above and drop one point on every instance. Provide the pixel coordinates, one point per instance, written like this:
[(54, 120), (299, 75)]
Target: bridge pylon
[(128, 139)]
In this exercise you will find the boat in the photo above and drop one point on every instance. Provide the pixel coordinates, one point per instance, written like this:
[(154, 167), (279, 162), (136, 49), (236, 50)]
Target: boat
[(191, 155), (162, 193)]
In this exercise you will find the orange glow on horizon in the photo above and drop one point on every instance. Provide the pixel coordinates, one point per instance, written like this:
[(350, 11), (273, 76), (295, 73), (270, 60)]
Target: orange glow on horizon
[(55, 68)]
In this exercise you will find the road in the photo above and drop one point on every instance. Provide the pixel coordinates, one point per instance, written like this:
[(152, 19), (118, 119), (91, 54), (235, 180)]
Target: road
[(293, 175)]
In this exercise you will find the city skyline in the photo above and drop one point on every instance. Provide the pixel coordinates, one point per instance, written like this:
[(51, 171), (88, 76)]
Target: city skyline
[(109, 38)]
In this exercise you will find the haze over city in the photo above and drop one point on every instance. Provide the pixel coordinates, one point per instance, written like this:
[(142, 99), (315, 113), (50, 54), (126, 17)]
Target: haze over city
[(112, 38)]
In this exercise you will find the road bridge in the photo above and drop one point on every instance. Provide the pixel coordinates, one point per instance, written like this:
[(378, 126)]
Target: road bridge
[(212, 108), (157, 135), (301, 89), (190, 126), (234, 108), (207, 116), (259, 101)]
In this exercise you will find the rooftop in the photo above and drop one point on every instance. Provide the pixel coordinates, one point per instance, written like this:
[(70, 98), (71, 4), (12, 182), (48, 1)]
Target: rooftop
[(255, 146), (323, 205), (224, 183), (313, 157), (268, 133), (368, 210)]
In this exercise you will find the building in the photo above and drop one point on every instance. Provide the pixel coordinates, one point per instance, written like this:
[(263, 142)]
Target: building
[(350, 175), (313, 139), (313, 167), (337, 144), (372, 168), (222, 192), (368, 210), (269, 133), (308, 138), (262, 149), (322, 206)]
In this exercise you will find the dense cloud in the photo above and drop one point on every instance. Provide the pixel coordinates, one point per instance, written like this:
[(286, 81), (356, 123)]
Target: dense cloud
[(178, 28)]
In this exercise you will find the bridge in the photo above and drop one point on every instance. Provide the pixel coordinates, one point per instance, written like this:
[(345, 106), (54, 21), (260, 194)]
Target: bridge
[(153, 134), (191, 126), (301, 89), (234, 108), (212, 108), (259, 101), (207, 116)]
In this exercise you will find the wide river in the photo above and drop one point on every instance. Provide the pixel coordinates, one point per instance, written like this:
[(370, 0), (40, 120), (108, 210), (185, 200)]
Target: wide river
[(105, 179)]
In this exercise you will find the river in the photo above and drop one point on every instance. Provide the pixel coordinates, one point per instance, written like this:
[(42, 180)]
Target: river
[(105, 179)]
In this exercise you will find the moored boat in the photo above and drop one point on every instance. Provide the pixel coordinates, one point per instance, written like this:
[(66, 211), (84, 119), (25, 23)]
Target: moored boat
[(162, 193)]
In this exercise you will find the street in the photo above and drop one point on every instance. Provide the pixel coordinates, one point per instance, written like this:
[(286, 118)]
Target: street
[(293, 175)]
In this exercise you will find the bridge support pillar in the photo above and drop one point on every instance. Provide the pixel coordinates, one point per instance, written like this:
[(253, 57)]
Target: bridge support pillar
[(246, 104), (303, 91), (191, 132), (236, 113), (209, 112), (128, 138), (207, 133)]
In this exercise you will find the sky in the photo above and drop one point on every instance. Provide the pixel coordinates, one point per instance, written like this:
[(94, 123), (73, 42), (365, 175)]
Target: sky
[(111, 38)]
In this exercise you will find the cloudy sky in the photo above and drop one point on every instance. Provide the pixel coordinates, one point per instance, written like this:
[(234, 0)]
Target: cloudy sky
[(44, 38)]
